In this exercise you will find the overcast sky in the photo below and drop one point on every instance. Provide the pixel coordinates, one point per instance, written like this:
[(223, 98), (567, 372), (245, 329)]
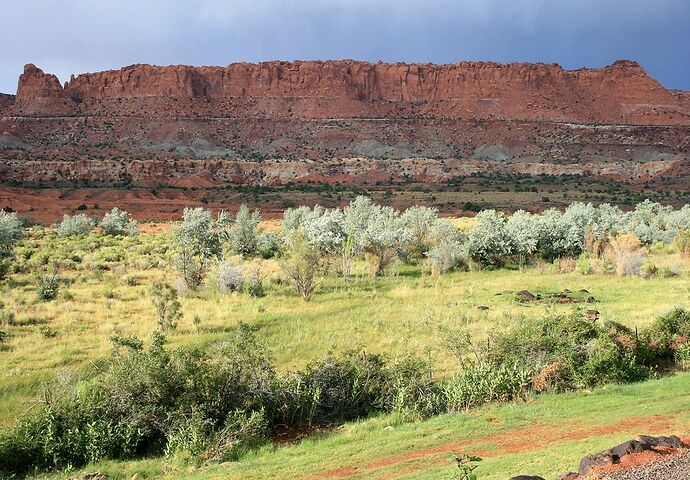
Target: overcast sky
[(76, 36)]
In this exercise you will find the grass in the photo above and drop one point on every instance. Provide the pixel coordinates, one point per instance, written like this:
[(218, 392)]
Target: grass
[(409, 310), (546, 435), (105, 292)]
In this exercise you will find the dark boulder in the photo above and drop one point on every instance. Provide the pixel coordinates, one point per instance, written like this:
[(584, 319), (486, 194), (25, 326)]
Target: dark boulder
[(525, 296)]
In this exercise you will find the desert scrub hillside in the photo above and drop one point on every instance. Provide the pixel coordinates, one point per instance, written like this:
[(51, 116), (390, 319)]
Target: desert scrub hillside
[(365, 282)]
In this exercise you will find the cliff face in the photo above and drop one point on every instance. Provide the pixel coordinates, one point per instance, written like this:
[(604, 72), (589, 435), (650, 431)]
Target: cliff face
[(621, 92), (342, 121), (6, 100), (41, 93)]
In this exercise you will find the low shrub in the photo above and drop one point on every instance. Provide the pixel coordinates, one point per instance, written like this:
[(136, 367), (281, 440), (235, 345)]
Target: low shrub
[(118, 222), (665, 335), (682, 242), (569, 351), (445, 257), (482, 382), (48, 283), (584, 264), (625, 251), (164, 298), (648, 270), (229, 277), (268, 245), (75, 225), (216, 402)]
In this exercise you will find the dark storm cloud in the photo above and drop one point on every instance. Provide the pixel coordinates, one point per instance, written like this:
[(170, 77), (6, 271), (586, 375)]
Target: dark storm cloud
[(74, 36)]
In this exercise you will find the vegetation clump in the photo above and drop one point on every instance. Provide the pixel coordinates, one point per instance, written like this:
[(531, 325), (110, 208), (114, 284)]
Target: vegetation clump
[(75, 225), (218, 401), (118, 222)]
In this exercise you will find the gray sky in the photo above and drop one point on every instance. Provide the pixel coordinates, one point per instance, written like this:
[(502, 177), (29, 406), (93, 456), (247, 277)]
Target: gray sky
[(76, 36)]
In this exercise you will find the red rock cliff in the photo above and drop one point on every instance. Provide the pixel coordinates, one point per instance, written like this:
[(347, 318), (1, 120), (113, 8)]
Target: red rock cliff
[(621, 92), (41, 93), (6, 100)]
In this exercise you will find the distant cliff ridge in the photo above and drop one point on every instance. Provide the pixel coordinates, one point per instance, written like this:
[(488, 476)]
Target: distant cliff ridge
[(342, 121), (621, 92)]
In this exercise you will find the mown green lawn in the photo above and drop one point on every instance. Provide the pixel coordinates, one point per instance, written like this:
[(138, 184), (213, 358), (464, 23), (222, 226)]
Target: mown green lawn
[(546, 435)]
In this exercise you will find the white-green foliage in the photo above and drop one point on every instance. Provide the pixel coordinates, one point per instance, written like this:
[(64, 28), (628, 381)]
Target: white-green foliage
[(523, 229), (650, 222), (229, 277), (444, 257), (384, 237), (197, 233), (383, 233), (419, 222), (268, 244), (243, 233), (364, 227), (119, 222), (489, 242), (294, 218), (324, 230), (75, 225), (197, 239), (11, 231)]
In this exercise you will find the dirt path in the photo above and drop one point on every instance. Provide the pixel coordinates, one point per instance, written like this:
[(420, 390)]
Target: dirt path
[(510, 441)]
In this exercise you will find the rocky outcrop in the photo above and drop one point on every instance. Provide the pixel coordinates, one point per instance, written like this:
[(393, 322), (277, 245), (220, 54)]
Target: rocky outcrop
[(343, 122), (6, 100), (621, 92), (34, 84), (41, 93)]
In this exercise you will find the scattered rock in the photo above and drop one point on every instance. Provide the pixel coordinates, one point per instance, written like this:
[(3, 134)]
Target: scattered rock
[(613, 455), (652, 442), (569, 476), (591, 300), (91, 476), (590, 462), (593, 315), (483, 307), (525, 296), (527, 477)]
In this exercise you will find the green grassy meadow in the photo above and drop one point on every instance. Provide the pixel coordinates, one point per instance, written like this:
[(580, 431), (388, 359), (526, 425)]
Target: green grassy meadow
[(105, 292)]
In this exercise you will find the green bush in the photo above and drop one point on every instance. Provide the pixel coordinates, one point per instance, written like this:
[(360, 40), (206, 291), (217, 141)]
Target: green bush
[(665, 335), (483, 382), (75, 225), (268, 245), (48, 283), (216, 402), (588, 354), (584, 264), (648, 269)]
